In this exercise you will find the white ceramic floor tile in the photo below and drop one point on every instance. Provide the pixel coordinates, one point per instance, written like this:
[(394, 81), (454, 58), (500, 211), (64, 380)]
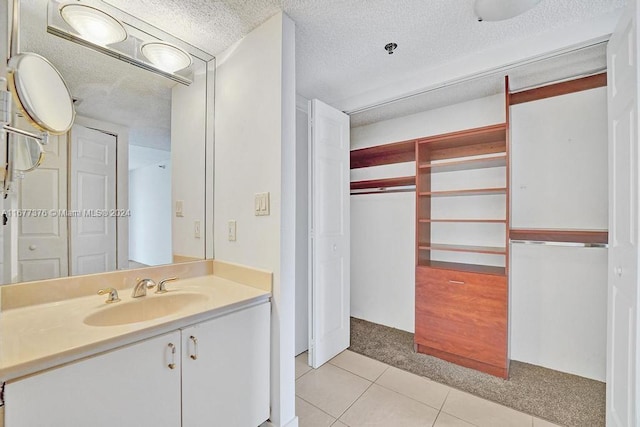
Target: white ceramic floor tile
[(537, 422), (482, 412), (331, 389), (379, 406), (446, 420), (310, 416), (414, 386), (359, 365), (301, 364)]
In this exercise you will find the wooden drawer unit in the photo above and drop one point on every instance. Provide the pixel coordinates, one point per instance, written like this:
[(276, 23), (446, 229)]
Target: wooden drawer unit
[(462, 317)]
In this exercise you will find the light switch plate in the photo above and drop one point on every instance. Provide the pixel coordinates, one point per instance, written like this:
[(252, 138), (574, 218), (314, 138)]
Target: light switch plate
[(261, 204), (231, 230), (196, 229), (179, 205)]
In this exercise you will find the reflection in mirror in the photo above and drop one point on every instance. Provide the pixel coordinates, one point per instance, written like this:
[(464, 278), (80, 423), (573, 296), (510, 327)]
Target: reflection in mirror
[(27, 154), (103, 197)]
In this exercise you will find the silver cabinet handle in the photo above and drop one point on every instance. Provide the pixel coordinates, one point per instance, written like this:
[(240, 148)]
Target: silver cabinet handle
[(456, 282), (194, 356), (172, 365)]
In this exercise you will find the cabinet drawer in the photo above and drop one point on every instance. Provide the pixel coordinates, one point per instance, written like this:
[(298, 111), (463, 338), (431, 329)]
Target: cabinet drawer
[(462, 313)]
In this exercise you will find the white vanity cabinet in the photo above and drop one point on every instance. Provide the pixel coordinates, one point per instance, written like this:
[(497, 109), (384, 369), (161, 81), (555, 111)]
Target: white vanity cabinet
[(225, 370), (214, 373), (131, 386)]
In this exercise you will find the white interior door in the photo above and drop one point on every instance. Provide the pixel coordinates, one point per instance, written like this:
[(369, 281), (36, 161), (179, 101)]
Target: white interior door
[(42, 239), (330, 217), (622, 354), (92, 201)]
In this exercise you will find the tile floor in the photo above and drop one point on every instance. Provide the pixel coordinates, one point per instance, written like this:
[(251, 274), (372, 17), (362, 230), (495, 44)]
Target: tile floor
[(353, 390)]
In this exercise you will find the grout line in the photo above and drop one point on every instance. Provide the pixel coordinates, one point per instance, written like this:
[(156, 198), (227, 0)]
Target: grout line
[(411, 398), (354, 402), (310, 370), (324, 412), (353, 373)]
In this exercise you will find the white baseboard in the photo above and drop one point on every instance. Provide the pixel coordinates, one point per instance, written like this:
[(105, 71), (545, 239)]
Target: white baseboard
[(292, 423)]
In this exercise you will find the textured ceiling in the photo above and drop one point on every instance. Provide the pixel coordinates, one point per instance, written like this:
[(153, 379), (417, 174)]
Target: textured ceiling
[(339, 43), (339, 46)]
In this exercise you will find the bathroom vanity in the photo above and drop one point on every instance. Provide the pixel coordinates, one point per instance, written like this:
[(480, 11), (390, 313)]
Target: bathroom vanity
[(195, 355)]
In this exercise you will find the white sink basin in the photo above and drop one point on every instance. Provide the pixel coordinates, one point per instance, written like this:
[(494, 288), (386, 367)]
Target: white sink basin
[(143, 309)]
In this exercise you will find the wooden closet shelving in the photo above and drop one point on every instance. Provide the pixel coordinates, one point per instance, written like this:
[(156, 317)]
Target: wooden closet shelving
[(462, 306)]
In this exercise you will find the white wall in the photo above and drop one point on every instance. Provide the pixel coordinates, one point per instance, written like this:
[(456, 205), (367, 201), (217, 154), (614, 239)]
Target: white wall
[(383, 225), (188, 139), (150, 221), (255, 152), (560, 180)]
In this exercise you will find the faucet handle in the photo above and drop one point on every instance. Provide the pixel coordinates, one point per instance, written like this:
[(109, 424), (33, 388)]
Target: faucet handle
[(113, 295), (162, 285)]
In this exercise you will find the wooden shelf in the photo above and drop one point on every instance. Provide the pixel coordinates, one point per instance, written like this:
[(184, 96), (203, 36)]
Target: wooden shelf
[(472, 192), (469, 268), (471, 142), (488, 221), (464, 248), (555, 235), (468, 164), (562, 88), (384, 183), (397, 152)]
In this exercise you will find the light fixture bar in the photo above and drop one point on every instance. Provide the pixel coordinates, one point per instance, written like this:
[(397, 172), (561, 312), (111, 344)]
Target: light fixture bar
[(118, 55)]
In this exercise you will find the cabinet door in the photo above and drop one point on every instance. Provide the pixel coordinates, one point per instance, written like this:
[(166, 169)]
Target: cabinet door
[(132, 386), (464, 314), (225, 370)]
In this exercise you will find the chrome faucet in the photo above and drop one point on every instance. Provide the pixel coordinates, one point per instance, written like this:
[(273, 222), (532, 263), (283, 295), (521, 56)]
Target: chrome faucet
[(161, 289), (113, 295), (140, 289)]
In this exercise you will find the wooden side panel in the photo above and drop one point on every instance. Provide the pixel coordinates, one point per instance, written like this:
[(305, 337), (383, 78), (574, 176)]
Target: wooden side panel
[(464, 314)]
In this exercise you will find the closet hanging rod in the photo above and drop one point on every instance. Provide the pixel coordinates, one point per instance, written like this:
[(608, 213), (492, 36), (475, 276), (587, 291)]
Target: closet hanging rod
[(564, 244), (384, 190)]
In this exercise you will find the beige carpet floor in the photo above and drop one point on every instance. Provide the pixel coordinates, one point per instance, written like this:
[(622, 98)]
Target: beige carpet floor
[(561, 398)]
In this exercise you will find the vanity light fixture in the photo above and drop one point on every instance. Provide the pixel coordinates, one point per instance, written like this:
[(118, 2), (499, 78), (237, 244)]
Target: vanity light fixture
[(166, 56), (499, 10), (93, 24)]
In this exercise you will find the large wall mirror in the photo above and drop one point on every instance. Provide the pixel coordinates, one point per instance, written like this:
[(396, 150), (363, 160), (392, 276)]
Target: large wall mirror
[(125, 187)]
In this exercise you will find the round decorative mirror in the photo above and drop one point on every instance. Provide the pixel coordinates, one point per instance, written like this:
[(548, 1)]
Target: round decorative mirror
[(40, 93), (27, 154)]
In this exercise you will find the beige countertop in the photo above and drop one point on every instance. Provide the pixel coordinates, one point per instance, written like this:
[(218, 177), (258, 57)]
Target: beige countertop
[(39, 337)]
